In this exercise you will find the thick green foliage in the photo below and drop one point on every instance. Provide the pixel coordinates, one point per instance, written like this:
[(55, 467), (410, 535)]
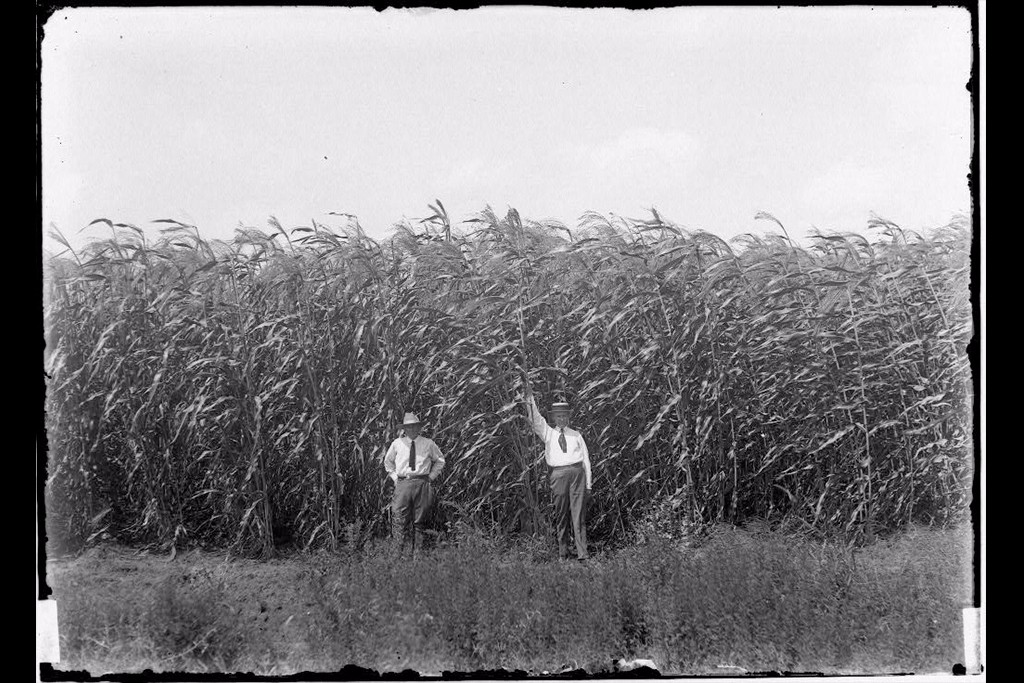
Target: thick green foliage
[(227, 394)]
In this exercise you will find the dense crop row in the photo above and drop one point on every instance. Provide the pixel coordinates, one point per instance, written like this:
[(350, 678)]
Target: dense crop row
[(214, 392)]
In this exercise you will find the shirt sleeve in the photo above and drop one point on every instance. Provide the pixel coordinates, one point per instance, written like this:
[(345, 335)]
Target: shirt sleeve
[(539, 424), (586, 460), (438, 461), (389, 461)]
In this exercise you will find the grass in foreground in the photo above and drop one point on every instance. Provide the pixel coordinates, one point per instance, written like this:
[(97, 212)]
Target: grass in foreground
[(758, 601)]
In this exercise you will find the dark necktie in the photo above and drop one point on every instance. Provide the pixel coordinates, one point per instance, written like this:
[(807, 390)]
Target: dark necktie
[(412, 455), (561, 440)]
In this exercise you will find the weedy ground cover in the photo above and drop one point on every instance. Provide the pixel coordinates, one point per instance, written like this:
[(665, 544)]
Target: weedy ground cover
[(760, 600)]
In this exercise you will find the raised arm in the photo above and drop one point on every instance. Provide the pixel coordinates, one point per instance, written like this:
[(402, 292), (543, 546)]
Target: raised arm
[(538, 423)]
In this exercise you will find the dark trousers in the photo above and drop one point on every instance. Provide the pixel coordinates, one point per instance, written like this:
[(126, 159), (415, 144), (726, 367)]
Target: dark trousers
[(409, 508), (569, 489)]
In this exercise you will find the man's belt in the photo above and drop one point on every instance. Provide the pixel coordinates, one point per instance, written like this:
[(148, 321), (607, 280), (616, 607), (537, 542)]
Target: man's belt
[(414, 476), (563, 467)]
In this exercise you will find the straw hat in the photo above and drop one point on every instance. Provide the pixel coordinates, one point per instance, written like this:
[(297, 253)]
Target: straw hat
[(410, 419), (560, 407)]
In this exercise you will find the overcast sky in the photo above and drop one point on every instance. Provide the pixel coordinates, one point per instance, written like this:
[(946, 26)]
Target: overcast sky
[(216, 116)]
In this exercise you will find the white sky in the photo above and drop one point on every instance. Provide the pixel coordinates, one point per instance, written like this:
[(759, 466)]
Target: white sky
[(216, 116)]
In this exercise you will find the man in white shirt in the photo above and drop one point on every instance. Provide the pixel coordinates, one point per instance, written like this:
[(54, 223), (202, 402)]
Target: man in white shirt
[(566, 454), (413, 462)]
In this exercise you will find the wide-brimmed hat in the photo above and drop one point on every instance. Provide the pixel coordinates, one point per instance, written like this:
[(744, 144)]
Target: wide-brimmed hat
[(410, 419), (560, 407)]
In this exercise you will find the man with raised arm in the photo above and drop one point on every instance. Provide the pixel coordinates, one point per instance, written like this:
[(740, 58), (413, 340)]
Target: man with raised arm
[(567, 456)]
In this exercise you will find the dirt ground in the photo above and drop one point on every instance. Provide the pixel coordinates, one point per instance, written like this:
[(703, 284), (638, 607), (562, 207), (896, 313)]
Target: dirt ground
[(270, 597)]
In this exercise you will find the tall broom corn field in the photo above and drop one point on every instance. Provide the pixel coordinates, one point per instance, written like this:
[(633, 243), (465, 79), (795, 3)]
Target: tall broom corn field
[(210, 394)]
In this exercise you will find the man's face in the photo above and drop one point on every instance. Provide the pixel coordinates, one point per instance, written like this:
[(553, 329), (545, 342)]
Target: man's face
[(561, 418), (412, 431)]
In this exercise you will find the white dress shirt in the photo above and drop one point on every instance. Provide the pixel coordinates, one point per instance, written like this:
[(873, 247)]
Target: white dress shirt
[(576, 448), (429, 459)]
